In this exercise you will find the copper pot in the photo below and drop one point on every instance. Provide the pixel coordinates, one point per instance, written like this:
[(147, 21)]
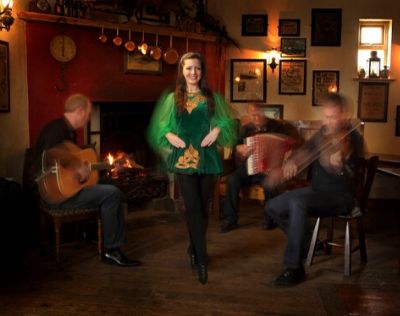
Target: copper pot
[(102, 37), (130, 45), (117, 40), (143, 47), (155, 51), (171, 56)]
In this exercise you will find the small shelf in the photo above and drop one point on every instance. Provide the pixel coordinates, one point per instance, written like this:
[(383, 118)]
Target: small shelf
[(163, 30), (374, 79)]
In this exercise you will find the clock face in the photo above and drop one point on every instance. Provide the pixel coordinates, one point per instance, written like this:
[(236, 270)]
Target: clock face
[(62, 48)]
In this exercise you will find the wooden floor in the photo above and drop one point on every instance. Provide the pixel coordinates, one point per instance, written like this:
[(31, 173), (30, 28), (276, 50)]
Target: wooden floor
[(243, 263)]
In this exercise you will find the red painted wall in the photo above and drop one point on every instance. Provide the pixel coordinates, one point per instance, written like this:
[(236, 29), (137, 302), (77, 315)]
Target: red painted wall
[(98, 71)]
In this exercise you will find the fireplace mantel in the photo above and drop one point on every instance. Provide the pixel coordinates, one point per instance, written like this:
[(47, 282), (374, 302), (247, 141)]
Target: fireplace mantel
[(134, 27)]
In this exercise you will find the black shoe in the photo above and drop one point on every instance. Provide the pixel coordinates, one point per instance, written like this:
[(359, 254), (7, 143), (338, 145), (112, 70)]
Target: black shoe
[(290, 277), (227, 226), (116, 256), (203, 274)]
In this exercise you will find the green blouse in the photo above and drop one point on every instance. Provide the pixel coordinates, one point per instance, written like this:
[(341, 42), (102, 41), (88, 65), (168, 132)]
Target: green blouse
[(191, 126)]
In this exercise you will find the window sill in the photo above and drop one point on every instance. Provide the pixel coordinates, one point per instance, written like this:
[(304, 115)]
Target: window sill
[(374, 79)]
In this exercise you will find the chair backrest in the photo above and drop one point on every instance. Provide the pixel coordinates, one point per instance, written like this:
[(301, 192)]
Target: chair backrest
[(366, 174)]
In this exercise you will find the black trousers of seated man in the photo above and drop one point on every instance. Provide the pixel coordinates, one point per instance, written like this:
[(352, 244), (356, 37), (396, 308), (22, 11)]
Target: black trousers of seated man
[(292, 211), (235, 182), (196, 191)]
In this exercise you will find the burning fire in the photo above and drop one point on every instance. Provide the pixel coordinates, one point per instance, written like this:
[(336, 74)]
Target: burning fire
[(121, 161)]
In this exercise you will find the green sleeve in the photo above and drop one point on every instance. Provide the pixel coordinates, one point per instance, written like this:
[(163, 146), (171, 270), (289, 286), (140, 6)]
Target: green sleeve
[(162, 121), (223, 120)]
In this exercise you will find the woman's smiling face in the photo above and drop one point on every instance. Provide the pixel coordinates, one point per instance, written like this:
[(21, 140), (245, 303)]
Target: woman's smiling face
[(192, 72)]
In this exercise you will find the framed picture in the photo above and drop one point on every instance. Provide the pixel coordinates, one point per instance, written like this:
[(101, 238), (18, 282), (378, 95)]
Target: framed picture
[(373, 101), (248, 80), (398, 120), (273, 111), (289, 27), (4, 78), (326, 27), (254, 25), (292, 76), (135, 62), (293, 47), (150, 13), (324, 81)]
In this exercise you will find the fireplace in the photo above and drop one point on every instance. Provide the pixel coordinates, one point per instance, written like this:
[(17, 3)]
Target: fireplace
[(120, 127)]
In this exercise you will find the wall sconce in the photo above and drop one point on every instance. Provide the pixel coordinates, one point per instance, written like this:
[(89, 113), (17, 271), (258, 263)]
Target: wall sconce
[(6, 19), (273, 57)]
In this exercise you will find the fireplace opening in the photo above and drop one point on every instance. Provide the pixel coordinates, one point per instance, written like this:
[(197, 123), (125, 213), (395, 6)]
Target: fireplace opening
[(121, 126)]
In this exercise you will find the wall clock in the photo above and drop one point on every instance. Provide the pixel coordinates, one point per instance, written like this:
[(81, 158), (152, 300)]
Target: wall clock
[(62, 48)]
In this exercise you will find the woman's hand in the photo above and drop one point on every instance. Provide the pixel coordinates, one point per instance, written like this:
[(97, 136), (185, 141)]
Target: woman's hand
[(211, 137), (175, 140)]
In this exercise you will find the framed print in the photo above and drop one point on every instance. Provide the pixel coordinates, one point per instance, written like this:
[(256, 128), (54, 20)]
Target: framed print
[(248, 80), (135, 62), (292, 76), (289, 27), (326, 27), (373, 101), (273, 111), (4, 78), (293, 47), (324, 81), (254, 25), (398, 120)]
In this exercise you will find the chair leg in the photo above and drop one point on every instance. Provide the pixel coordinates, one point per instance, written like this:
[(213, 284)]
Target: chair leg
[(329, 237), (347, 251), (99, 237), (311, 250), (57, 231), (361, 240)]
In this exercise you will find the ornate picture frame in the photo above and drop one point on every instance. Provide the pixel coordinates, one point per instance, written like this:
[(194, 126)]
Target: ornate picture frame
[(373, 101), (326, 27), (324, 81), (292, 76), (254, 25), (289, 27), (293, 47), (248, 80), (4, 77), (136, 63)]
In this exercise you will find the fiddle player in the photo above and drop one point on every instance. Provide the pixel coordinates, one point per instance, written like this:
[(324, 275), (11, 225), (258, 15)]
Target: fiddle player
[(107, 197), (259, 123), (335, 149)]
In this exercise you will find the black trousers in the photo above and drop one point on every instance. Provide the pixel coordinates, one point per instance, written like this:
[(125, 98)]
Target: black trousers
[(196, 191)]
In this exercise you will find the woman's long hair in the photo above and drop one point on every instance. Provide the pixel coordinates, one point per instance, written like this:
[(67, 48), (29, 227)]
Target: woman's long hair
[(180, 88)]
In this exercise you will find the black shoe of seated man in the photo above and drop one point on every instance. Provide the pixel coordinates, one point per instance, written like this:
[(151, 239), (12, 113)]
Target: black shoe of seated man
[(116, 256), (227, 226), (193, 260), (203, 273), (290, 277)]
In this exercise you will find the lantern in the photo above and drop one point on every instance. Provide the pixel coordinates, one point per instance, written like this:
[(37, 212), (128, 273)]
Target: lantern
[(374, 63)]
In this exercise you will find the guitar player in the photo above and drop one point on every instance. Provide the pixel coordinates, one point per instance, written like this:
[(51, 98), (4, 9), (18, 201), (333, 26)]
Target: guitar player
[(107, 197)]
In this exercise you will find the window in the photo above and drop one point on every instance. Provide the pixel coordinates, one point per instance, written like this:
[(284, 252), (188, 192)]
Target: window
[(374, 35)]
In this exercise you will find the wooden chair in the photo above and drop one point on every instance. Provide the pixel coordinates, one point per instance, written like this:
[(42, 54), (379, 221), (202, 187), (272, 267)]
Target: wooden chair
[(365, 178), (63, 216)]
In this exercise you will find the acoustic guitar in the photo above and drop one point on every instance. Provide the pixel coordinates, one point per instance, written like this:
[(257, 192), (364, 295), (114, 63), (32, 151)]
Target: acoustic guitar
[(59, 179)]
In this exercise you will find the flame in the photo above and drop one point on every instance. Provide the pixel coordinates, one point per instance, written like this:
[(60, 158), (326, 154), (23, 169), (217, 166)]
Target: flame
[(120, 161), (110, 159)]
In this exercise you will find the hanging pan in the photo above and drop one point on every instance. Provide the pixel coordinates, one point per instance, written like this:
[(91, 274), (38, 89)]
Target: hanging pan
[(117, 40), (171, 56), (130, 45), (156, 52)]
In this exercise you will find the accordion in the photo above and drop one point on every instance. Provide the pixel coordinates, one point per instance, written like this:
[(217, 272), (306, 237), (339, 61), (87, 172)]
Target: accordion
[(267, 151)]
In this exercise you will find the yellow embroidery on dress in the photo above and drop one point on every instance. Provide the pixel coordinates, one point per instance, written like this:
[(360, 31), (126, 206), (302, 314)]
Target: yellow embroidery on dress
[(193, 101), (189, 159)]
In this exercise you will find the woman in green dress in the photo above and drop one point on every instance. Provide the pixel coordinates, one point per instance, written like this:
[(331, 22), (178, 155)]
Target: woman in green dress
[(186, 127)]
